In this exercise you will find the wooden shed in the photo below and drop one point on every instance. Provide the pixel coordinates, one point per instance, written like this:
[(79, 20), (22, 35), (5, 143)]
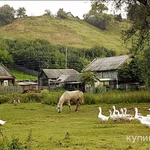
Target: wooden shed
[(106, 69), (6, 77), (51, 77)]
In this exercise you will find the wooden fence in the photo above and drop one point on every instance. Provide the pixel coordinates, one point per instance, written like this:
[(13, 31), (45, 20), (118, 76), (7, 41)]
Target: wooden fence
[(10, 89)]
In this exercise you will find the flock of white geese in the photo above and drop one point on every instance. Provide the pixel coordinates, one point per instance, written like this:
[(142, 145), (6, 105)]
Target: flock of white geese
[(117, 115)]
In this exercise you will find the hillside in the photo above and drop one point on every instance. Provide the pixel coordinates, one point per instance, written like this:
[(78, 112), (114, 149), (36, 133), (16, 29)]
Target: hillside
[(71, 32)]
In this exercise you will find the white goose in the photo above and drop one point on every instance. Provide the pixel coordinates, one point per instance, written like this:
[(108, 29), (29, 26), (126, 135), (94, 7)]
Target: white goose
[(103, 118), (2, 122), (127, 117), (145, 120), (137, 115), (113, 115)]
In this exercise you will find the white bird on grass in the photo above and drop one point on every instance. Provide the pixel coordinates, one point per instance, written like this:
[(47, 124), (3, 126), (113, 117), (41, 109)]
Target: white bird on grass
[(103, 118), (137, 115), (113, 115), (2, 122), (127, 117), (144, 122)]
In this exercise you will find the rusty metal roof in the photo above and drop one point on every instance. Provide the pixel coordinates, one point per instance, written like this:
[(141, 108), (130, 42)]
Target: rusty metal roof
[(105, 64), (56, 73)]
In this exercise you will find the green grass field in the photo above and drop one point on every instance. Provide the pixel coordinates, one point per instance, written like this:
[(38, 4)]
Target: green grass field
[(68, 32), (40, 127), (22, 76)]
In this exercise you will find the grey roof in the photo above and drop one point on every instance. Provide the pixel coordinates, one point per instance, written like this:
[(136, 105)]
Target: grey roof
[(4, 72), (74, 78), (105, 64), (56, 73)]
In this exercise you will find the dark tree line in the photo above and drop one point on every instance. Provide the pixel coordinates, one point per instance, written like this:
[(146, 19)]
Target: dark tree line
[(41, 54)]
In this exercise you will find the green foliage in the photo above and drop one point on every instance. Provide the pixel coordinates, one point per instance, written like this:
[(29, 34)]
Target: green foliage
[(109, 97), (131, 72), (21, 75), (88, 78), (97, 17), (118, 17), (7, 14), (138, 33), (48, 13), (41, 54), (68, 32), (4, 99), (5, 57), (50, 98), (69, 130), (15, 143), (62, 14), (21, 12)]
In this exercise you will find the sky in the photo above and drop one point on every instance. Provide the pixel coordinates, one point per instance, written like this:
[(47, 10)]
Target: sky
[(37, 8)]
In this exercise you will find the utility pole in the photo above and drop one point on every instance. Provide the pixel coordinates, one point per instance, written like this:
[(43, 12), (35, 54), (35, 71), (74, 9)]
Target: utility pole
[(66, 59)]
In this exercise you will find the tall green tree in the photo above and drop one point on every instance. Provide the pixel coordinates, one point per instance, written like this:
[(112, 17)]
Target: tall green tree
[(7, 15), (62, 14), (48, 13), (21, 12), (97, 16), (5, 57), (88, 78)]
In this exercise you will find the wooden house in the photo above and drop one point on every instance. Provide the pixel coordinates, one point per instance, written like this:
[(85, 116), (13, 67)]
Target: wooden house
[(52, 78), (106, 70), (6, 77), (72, 82)]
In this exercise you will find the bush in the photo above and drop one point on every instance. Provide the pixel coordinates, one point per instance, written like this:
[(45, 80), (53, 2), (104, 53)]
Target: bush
[(110, 97), (15, 143), (50, 98)]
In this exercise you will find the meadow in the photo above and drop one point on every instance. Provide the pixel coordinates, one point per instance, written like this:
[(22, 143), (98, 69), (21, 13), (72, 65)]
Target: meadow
[(68, 32), (36, 125)]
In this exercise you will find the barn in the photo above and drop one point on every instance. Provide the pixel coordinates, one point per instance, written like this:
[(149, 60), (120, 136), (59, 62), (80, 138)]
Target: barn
[(53, 78), (106, 70)]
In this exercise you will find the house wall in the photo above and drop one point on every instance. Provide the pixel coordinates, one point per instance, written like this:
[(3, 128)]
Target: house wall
[(42, 80), (107, 74), (111, 79)]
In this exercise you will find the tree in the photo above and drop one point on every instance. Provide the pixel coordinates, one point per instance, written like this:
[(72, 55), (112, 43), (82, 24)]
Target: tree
[(62, 14), (7, 15), (88, 78), (130, 72), (21, 12), (97, 17), (48, 13), (138, 33), (5, 57), (118, 17)]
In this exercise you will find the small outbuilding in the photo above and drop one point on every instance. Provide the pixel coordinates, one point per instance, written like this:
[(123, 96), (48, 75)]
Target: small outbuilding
[(6, 77), (52, 78)]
